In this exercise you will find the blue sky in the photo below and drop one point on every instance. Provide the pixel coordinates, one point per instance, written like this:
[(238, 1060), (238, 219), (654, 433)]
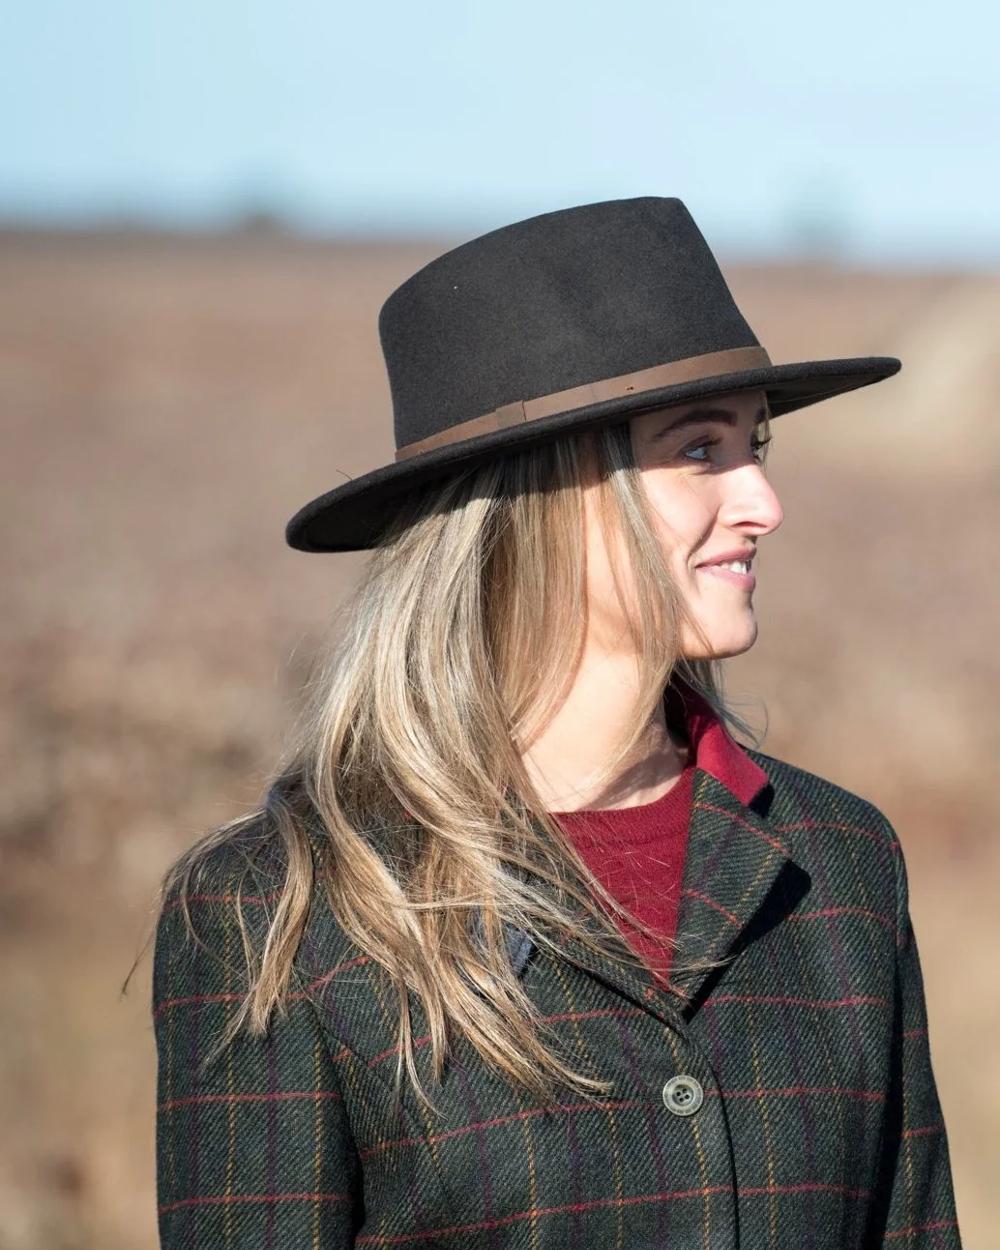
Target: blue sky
[(868, 131)]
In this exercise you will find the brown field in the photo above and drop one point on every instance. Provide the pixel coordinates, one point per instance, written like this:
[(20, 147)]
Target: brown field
[(169, 402)]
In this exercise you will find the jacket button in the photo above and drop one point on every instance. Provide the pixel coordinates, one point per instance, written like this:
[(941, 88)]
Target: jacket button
[(683, 1095)]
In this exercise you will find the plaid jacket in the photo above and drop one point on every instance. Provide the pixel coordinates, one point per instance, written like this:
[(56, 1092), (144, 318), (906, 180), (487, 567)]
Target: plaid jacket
[(791, 1103)]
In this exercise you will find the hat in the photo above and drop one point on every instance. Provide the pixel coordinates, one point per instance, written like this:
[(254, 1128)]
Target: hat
[(562, 322)]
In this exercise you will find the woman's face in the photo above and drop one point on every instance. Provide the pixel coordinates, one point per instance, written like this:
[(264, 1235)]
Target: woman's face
[(701, 468)]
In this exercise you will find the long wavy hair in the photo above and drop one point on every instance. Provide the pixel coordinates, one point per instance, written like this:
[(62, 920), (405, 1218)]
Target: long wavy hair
[(458, 641)]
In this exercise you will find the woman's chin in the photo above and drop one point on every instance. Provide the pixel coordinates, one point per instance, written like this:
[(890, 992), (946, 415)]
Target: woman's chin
[(726, 642)]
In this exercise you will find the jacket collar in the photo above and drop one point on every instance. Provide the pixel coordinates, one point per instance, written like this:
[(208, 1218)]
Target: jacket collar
[(739, 876), (713, 749)]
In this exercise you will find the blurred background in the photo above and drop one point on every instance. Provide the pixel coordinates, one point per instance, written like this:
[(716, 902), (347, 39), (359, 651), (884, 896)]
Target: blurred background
[(203, 208)]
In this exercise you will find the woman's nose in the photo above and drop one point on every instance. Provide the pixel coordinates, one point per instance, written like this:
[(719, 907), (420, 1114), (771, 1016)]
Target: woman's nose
[(751, 497)]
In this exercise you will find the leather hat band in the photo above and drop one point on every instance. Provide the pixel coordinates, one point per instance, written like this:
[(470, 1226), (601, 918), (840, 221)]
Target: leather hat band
[(692, 368)]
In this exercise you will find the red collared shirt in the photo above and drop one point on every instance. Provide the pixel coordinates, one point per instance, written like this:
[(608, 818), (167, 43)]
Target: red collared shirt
[(637, 853)]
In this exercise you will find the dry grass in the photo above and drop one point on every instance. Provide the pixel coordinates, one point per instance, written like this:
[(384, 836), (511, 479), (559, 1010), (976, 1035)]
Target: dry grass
[(169, 403)]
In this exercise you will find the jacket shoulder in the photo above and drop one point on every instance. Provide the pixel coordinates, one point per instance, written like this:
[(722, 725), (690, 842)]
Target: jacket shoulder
[(840, 836), (802, 796), (226, 903), (227, 872), (213, 900)]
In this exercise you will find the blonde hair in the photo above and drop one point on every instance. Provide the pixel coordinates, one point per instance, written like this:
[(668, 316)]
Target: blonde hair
[(467, 621)]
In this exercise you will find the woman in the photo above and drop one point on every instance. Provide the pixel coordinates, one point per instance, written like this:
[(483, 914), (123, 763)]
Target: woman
[(522, 947)]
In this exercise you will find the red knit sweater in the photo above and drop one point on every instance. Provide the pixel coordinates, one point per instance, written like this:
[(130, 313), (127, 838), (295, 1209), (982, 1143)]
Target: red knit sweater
[(637, 853)]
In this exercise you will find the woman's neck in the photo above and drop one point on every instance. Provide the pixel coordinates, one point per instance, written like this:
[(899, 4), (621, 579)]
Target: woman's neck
[(574, 747)]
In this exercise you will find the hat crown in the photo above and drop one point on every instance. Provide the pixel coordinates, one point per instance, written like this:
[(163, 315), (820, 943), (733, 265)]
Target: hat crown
[(553, 302)]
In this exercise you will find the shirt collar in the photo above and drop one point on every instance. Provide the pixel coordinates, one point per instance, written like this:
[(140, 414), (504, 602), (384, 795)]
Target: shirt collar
[(715, 751)]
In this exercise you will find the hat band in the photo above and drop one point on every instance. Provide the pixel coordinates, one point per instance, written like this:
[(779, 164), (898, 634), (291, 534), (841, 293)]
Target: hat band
[(690, 369)]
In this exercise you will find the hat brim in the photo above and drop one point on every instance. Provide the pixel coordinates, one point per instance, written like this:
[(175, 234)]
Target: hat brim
[(354, 515)]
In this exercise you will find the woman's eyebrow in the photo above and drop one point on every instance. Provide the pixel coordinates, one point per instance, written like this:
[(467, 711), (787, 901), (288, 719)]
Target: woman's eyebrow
[(698, 416)]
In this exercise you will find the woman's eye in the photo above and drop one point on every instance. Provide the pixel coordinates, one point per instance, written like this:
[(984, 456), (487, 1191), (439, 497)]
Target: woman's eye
[(758, 445)]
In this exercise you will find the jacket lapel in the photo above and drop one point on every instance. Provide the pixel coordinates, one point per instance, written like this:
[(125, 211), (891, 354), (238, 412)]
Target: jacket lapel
[(739, 880)]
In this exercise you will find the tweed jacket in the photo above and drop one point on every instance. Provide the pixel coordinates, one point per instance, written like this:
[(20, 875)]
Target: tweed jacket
[(789, 1102)]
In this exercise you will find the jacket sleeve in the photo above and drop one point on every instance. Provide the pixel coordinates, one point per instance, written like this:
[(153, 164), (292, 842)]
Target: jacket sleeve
[(916, 1206), (254, 1150)]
